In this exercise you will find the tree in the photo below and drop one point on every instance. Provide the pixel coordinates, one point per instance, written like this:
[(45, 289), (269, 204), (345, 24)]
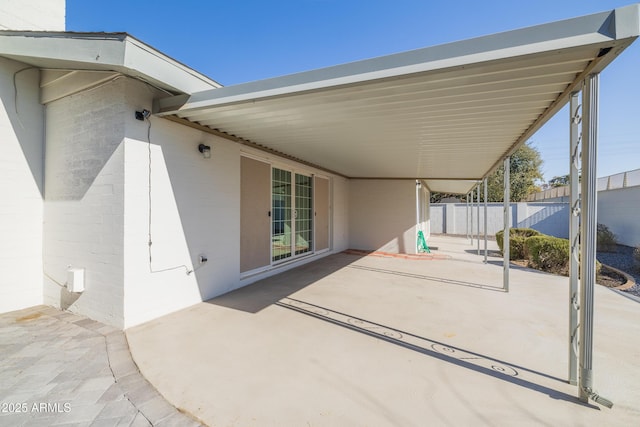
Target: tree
[(524, 174), (438, 197), (559, 181)]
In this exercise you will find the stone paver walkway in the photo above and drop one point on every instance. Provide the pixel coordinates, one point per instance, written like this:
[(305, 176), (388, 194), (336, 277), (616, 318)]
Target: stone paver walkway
[(59, 369)]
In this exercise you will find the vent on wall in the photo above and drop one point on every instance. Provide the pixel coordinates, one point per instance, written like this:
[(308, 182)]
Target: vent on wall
[(75, 279)]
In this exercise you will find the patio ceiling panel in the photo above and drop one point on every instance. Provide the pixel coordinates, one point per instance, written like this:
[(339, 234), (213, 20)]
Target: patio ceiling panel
[(572, 63), (445, 113)]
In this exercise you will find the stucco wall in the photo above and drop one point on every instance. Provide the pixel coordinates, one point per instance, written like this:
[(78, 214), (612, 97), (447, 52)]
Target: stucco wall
[(114, 184), (84, 201), (21, 168), (339, 206), (46, 15), (618, 210), (382, 215), (195, 210)]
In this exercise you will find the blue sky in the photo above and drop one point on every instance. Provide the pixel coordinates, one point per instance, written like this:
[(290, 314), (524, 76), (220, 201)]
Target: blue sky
[(239, 41)]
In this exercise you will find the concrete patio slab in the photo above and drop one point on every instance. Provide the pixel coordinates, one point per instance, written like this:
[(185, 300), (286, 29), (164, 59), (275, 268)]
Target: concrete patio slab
[(372, 341)]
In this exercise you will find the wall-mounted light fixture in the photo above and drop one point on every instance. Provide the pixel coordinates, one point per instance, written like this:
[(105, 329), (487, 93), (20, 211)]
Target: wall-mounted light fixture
[(205, 150), (141, 115)]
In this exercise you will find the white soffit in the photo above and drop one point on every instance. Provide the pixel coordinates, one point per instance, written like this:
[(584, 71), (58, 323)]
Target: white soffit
[(449, 112)]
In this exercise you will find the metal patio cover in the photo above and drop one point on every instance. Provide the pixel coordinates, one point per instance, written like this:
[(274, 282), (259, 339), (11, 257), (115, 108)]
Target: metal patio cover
[(447, 114)]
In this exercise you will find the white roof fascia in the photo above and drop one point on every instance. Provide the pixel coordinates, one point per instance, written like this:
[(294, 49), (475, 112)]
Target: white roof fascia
[(139, 56), (103, 52), (627, 21), (587, 30)]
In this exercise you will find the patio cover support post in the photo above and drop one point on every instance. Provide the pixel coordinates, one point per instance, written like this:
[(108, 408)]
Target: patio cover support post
[(507, 225), (574, 239), (469, 236), (485, 220), (427, 230), (588, 226), (418, 223), (471, 217), (478, 216)]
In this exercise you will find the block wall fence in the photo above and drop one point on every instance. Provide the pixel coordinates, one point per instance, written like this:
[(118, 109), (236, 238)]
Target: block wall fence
[(617, 209)]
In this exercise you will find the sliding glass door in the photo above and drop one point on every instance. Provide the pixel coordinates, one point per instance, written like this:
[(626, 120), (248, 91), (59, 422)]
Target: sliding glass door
[(291, 214), (280, 214), (303, 214)]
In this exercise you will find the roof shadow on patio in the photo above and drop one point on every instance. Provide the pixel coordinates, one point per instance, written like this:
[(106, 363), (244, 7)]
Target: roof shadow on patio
[(266, 292), (511, 373), (445, 280), (515, 266)]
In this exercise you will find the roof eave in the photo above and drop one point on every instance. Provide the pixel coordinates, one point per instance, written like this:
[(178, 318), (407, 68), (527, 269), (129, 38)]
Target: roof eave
[(102, 52)]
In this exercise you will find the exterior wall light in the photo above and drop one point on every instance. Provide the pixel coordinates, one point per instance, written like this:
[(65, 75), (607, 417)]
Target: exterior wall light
[(141, 115), (205, 150)]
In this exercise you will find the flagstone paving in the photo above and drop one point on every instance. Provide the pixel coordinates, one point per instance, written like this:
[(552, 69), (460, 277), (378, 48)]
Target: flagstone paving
[(60, 369)]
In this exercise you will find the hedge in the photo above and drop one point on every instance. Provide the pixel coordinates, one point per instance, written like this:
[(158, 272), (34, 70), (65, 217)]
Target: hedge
[(547, 253), (517, 237)]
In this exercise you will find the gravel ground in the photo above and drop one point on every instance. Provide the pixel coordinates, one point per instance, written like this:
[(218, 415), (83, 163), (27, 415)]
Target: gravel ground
[(623, 260)]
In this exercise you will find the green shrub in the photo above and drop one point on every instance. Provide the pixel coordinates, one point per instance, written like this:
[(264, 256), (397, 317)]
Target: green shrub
[(517, 237), (548, 253), (606, 240)]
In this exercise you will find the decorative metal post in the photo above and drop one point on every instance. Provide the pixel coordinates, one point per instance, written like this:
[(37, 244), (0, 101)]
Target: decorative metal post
[(574, 236), (588, 227)]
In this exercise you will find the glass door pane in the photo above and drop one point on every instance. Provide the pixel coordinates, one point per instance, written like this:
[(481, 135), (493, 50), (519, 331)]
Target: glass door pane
[(303, 215), (280, 214)]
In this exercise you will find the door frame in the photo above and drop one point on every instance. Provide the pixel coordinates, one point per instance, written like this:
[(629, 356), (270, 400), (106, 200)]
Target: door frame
[(294, 171), (245, 276), (328, 219)]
